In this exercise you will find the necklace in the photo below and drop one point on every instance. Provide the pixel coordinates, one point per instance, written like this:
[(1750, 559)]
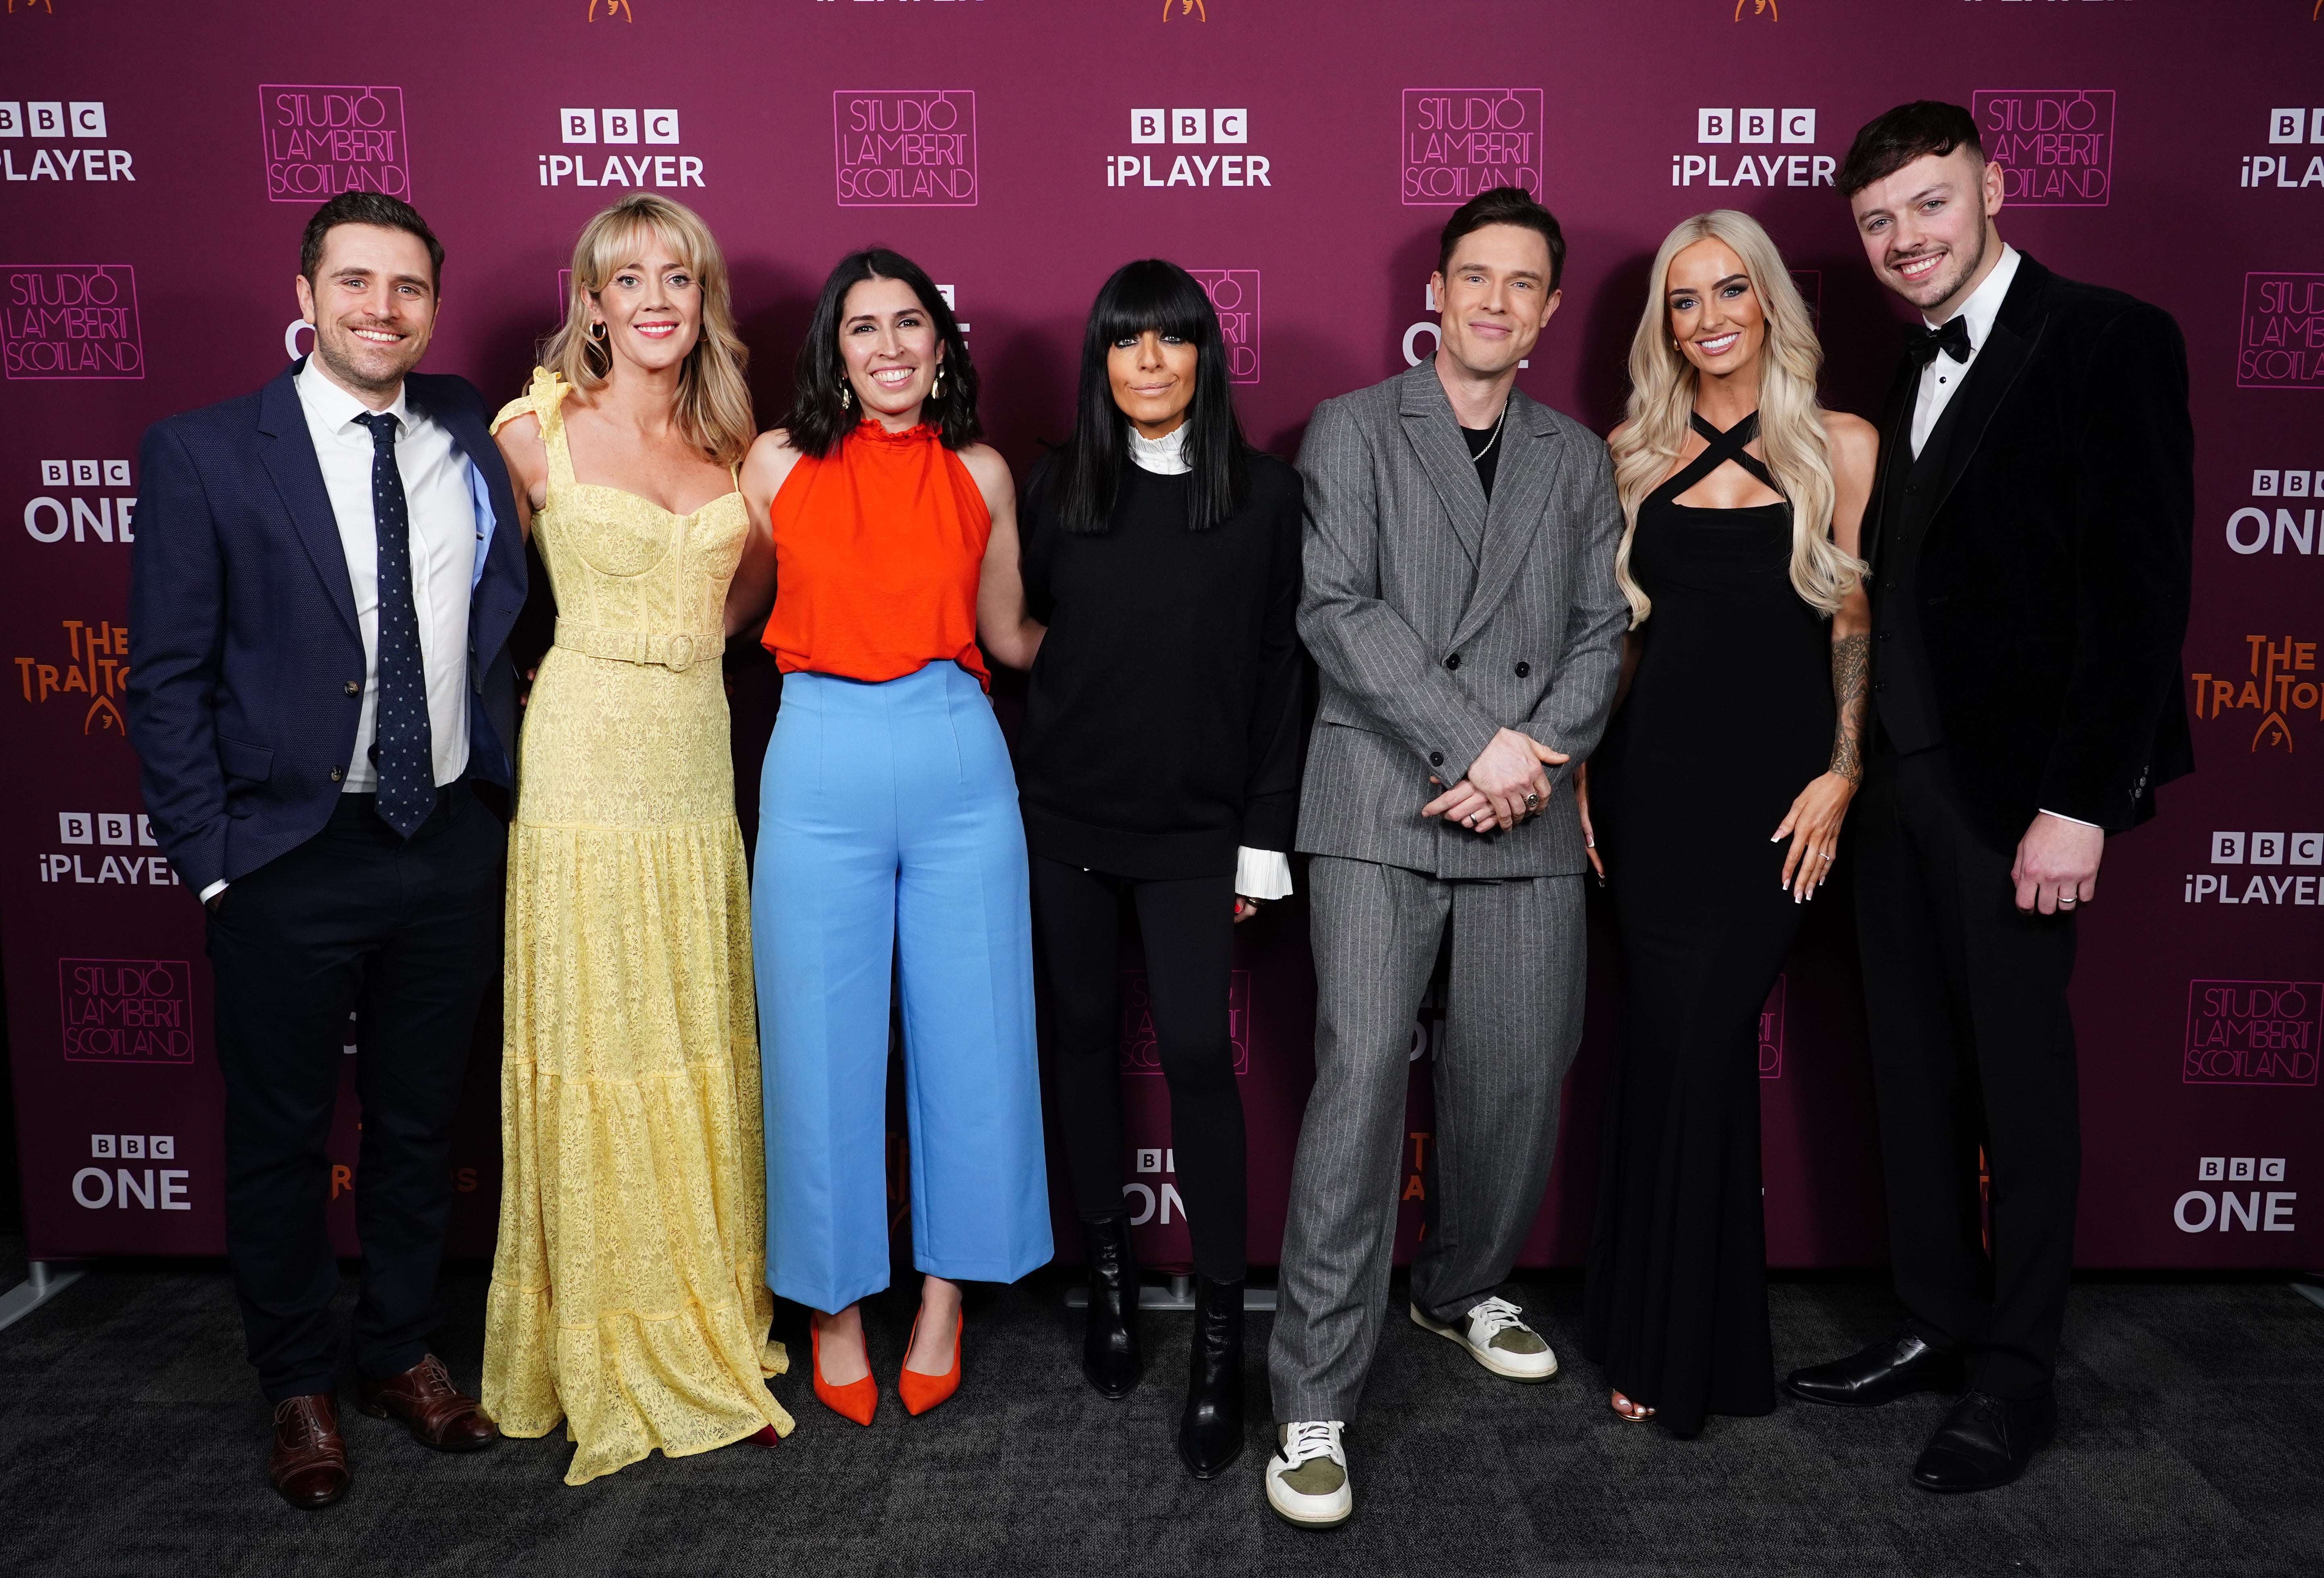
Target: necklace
[(1496, 439)]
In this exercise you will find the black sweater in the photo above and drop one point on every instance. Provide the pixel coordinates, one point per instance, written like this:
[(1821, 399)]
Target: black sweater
[(1162, 719)]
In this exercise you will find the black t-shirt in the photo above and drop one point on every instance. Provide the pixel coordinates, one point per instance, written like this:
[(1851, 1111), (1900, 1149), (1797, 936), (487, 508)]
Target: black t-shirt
[(1162, 719), (1485, 452)]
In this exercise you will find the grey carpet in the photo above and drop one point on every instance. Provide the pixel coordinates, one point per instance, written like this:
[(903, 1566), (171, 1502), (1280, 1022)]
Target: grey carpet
[(131, 1441)]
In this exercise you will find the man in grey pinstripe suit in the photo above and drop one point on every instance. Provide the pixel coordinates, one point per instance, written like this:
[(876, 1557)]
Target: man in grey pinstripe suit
[(1461, 603)]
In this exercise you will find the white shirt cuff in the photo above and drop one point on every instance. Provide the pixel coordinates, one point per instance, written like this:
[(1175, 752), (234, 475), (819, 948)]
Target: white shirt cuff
[(1262, 873), (214, 890), (2061, 816)]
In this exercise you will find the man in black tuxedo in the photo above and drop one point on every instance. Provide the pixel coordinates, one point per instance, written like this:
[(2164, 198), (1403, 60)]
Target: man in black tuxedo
[(2030, 537), (324, 710)]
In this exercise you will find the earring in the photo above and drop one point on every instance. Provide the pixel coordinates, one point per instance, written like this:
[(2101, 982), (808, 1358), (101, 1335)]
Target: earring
[(597, 330), (936, 392), (846, 398)]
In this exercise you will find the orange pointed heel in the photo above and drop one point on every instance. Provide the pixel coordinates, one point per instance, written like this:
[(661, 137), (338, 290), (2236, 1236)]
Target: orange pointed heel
[(922, 1392), (855, 1400)]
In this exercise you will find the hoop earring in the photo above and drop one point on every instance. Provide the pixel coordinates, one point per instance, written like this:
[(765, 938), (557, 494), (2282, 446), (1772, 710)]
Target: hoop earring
[(597, 331)]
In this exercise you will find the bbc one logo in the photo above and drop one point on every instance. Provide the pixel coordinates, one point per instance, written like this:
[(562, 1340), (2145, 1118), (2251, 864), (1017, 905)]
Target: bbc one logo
[(1715, 128), (2252, 1210), (321, 140), (2055, 146), (97, 1188), (1218, 129), (2249, 529), (897, 148), (1459, 142), (89, 857), (70, 320), (2281, 344), (96, 509), (2279, 850), (602, 127), (2274, 170), (2279, 685), (63, 120)]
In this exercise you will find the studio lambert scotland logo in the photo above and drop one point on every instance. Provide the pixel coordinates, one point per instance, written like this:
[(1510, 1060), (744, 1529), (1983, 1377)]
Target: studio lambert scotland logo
[(904, 148), (2055, 146), (70, 320), (2251, 1032), (1458, 142), (1234, 296), (127, 1011), (1139, 1052), (321, 141), (2283, 341)]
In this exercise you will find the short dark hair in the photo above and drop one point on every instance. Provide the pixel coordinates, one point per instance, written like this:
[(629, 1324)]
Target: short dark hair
[(1503, 205), (368, 209), (1161, 296), (817, 419), (1911, 131)]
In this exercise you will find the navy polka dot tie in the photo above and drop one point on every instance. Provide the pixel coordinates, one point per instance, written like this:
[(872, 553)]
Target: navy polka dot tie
[(403, 748)]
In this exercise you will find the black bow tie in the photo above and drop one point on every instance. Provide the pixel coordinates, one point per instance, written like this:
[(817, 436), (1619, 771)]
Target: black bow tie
[(1923, 344)]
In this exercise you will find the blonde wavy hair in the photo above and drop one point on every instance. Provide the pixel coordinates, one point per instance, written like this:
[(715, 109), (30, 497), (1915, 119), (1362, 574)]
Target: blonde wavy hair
[(1791, 420), (713, 403)]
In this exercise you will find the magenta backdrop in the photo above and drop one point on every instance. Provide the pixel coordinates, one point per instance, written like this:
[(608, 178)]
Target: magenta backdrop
[(157, 162)]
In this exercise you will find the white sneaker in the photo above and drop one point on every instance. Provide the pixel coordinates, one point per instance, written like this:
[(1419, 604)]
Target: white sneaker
[(1497, 1338), (1307, 1477)]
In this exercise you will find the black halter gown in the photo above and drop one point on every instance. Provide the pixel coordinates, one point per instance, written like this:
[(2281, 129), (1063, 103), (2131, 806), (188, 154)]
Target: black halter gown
[(1729, 715)]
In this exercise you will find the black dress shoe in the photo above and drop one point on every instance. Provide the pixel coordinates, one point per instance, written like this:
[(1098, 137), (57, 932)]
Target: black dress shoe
[(1985, 1441), (1111, 1359), (1209, 1434), (1881, 1373)]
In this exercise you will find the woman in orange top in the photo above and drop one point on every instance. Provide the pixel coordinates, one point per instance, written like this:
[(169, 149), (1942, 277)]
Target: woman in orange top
[(889, 830)]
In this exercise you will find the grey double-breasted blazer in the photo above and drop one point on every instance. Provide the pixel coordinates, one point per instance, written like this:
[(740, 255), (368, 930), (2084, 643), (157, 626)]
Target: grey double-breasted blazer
[(1437, 621)]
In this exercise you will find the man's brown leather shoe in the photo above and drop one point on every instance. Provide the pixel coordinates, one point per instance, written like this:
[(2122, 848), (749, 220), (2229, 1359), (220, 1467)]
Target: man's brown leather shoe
[(437, 1413), (310, 1463)]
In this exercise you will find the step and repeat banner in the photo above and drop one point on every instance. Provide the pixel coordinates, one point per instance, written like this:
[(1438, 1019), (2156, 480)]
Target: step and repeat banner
[(157, 163)]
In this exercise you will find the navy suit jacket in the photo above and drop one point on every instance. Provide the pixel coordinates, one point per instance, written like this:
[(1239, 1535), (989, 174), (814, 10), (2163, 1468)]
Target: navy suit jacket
[(245, 660)]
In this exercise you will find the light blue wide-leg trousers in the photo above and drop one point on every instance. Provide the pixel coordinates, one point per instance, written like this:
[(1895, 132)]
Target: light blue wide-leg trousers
[(889, 821)]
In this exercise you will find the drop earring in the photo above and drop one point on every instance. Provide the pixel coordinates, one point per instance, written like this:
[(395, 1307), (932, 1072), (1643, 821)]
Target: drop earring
[(937, 392), (846, 398)]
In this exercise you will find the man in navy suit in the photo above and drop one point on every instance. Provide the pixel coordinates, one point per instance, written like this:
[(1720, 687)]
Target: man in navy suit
[(322, 701)]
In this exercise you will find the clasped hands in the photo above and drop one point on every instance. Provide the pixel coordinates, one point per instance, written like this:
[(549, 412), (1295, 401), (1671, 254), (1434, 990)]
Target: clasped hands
[(1506, 784)]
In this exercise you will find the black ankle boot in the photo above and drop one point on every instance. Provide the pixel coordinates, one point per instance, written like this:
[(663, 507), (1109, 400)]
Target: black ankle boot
[(1209, 1435), (1111, 1359)]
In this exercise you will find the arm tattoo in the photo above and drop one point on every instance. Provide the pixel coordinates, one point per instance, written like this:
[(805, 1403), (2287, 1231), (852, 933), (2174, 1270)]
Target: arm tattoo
[(1851, 668)]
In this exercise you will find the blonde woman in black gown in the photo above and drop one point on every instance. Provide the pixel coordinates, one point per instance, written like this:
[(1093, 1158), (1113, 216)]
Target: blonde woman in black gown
[(1716, 798)]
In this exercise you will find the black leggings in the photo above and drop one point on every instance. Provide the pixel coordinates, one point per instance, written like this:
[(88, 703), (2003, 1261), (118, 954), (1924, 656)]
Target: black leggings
[(1188, 927)]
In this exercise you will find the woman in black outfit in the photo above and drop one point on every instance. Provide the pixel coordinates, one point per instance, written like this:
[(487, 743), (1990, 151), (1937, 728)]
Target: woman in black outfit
[(1159, 767), (1717, 796)]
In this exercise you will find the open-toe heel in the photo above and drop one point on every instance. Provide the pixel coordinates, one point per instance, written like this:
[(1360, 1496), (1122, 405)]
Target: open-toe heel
[(1628, 1412)]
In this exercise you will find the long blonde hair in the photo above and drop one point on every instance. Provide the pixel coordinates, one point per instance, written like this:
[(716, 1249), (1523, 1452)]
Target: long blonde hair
[(713, 403), (1791, 420)]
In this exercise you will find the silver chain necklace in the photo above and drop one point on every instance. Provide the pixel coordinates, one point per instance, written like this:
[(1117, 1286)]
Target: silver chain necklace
[(1496, 439)]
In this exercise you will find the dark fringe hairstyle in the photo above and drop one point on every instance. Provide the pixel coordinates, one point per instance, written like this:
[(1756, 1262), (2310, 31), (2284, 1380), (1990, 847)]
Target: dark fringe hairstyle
[(817, 421), (1890, 142), (1155, 294)]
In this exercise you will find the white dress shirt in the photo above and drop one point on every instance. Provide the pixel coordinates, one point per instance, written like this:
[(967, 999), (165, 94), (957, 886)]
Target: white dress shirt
[(1943, 375), (1259, 873), (446, 532)]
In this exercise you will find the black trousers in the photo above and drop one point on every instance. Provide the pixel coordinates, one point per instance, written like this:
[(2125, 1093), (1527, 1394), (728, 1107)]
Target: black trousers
[(1188, 927), (407, 935), (1972, 1046)]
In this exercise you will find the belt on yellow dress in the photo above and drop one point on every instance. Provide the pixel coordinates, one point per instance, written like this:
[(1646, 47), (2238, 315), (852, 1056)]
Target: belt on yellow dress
[(676, 652)]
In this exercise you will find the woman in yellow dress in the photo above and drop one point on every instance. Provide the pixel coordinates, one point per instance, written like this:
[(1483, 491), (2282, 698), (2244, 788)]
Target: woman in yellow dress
[(628, 1291)]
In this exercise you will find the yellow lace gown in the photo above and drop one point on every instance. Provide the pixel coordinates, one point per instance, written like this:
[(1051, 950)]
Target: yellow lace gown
[(628, 1291)]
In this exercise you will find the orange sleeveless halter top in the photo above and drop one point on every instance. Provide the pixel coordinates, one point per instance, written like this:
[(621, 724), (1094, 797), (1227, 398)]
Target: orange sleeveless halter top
[(878, 547)]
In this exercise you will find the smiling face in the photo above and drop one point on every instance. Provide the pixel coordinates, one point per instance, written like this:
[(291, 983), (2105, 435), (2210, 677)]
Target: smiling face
[(1153, 380), (373, 303), (650, 307), (1928, 228), (1494, 299), (889, 350), (1716, 316)]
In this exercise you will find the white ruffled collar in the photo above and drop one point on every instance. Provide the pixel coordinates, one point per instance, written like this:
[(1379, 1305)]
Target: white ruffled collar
[(1164, 456)]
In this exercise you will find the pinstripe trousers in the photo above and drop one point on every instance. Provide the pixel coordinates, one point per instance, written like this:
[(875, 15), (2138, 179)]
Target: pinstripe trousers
[(1513, 1022)]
